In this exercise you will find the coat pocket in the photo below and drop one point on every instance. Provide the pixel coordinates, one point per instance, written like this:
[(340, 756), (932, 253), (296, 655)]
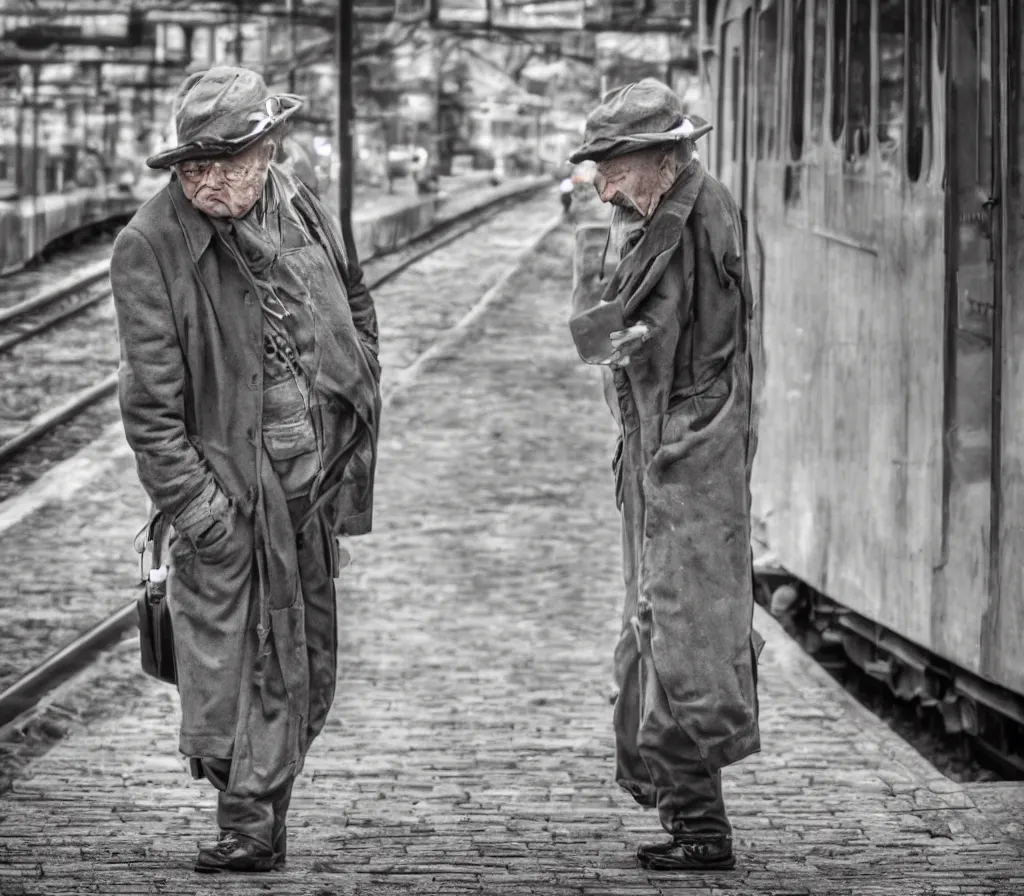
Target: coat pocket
[(692, 413), (287, 425), (220, 556)]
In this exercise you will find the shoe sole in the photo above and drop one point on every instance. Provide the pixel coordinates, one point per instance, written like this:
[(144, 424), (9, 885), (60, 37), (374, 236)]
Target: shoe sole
[(661, 863), (257, 868)]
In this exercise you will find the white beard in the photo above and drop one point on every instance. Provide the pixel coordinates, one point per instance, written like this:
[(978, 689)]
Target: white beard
[(624, 222)]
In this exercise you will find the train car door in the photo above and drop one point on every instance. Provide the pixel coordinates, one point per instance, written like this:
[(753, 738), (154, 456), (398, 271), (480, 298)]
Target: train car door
[(972, 364), (733, 102)]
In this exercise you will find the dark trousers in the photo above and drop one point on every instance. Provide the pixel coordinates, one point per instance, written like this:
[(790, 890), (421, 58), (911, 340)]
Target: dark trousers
[(656, 761), (262, 818)]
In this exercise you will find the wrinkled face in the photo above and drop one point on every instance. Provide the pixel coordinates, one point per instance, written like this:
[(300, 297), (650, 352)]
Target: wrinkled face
[(227, 188), (632, 181)]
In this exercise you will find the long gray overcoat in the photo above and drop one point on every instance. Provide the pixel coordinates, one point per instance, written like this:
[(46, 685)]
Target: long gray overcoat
[(688, 394), (190, 329)]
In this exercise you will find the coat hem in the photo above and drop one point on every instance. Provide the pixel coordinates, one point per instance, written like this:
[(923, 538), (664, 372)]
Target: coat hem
[(212, 746), (644, 794), (737, 749)]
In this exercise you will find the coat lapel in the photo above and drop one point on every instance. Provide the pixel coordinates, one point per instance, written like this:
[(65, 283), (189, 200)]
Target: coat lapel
[(195, 225), (643, 266)]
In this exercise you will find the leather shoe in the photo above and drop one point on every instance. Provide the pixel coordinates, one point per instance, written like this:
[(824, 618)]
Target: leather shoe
[(689, 853), (232, 852)]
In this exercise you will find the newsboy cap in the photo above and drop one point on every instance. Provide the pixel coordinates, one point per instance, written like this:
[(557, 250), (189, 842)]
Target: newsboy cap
[(637, 116), (222, 112)]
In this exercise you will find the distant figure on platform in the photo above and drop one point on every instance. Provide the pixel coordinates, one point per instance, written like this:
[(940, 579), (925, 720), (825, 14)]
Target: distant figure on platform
[(565, 189), (249, 394), (672, 326)]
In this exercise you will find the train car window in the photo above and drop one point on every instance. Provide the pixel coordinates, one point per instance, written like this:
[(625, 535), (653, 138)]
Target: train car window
[(767, 78), (941, 19), (891, 122), (858, 89), (737, 86), (819, 63), (919, 54), (797, 66), (719, 134), (984, 31), (840, 16)]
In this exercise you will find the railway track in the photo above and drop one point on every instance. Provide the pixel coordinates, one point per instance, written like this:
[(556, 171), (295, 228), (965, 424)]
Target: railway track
[(415, 340), (36, 316)]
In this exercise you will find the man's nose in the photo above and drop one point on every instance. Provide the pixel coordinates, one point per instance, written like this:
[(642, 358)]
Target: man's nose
[(217, 173), (213, 176), (605, 190)]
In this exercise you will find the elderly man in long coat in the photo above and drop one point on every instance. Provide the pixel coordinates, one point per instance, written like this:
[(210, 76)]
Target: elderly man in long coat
[(249, 394), (672, 326)]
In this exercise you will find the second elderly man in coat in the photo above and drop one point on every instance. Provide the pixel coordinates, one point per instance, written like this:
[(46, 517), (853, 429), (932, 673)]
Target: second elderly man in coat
[(672, 324), (249, 395)]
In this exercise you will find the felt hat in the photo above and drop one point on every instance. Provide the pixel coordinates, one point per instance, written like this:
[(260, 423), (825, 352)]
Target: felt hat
[(637, 116), (221, 112)]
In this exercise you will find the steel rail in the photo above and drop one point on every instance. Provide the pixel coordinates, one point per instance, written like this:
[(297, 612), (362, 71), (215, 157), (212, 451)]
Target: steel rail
[(53, 417), (28, 690), (19, 336), (25, 693), (478, 215), (93, 273)]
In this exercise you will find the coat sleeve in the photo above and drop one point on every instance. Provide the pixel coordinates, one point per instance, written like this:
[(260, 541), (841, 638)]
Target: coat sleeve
[(151, 381), (364, 315)]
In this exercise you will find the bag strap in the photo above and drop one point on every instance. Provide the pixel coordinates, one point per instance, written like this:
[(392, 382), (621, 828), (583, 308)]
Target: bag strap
[(156, 535)]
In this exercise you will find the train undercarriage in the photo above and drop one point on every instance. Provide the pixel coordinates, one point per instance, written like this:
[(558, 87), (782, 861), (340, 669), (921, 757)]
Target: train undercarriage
[(987, 720)]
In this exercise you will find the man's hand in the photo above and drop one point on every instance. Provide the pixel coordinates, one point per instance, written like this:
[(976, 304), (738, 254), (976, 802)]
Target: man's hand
[(626, 342)]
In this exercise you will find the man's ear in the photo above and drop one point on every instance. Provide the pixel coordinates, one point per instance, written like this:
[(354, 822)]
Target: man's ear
[(668, 163)]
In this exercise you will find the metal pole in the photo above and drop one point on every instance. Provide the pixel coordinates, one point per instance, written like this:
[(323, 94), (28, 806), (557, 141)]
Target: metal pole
[(343, 54), (291, 46), (699, 42), (19, 144), (35, 129), (440, 149), (238, 34)]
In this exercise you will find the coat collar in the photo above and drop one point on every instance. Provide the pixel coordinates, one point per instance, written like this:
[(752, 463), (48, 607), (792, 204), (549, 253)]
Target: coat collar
[(196, 226), (641, 268)]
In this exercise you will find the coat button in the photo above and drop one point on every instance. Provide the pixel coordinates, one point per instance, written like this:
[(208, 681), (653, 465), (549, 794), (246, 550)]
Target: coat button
[(247, 295), (254, 380)]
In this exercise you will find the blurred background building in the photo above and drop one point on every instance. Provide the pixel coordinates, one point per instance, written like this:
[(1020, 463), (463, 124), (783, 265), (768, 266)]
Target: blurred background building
[(440, 87)]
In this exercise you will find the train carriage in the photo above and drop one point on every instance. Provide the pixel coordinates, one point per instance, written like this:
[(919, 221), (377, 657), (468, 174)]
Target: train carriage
[(875, 147)]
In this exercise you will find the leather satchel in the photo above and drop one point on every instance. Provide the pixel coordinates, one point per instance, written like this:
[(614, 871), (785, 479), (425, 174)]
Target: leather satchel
[(156, 635)]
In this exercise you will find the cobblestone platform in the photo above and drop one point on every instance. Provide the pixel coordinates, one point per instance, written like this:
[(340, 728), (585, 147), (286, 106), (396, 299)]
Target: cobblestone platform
[(469, 749)]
